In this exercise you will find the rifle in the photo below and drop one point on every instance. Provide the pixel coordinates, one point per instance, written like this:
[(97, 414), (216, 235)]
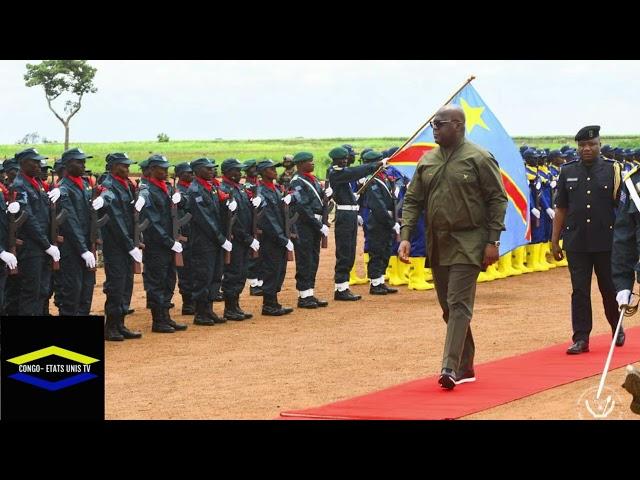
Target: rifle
[(96, 223), (395, 205), (288, 222), (327, 206), (255, 217), (14, 224), (138, 228), (55, 220), (538, 195), (177, 235), (231, 219)]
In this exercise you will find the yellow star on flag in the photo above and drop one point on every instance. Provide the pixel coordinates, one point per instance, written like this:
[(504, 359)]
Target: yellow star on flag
[(473, 115)]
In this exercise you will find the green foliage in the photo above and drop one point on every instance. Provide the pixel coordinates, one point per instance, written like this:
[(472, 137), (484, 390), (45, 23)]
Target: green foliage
[(163, 137)]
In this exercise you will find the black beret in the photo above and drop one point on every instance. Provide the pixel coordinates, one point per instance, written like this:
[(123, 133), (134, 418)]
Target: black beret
[(588, 132)]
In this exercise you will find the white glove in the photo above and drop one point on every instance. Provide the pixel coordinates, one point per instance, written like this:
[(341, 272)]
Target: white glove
[(553, 183), (177, 247), (232, 205), (256, 201), (98, 203), (290, 246), (328, 192), (227, 245), (362, 180), (536, 212), (176, 197), (10, 259), (54, 195), (396, 192), (385, 161), (139, 203), (623, 297), (54, 252), (14, 207), (356, 195), (551, 213), (360, 220), (538, 186), (287, 198), (89, 259), (136, 253), (324, 230), (255, 244), (396, 228)]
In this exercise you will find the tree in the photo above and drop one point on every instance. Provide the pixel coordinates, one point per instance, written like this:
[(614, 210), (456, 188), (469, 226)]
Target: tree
[(163, 137), (57, 77)]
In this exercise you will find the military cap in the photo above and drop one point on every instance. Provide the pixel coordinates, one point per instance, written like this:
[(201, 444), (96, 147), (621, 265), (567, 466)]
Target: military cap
[(372, 156), (365, 150), (556, 153), (588, 132), (266, 163), (564, 148), (636, 151), (391, 151), (202, 162), (338, 153), (302, 157), (523, 148), (144, 164), (119, 157), (10, 164), (350, 151), (74, 154), (249, 163), (529, 152), (157, 160), (231, 163), (57, 165), (606, 148), (182, 167), (29, 154)]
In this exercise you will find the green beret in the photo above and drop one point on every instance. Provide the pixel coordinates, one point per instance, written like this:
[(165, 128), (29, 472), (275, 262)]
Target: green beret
[(338, 153), (302, 157), (372, 156)]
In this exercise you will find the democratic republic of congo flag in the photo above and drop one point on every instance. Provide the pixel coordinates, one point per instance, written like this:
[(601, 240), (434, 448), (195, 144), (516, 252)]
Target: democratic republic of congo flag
[(484, 129)]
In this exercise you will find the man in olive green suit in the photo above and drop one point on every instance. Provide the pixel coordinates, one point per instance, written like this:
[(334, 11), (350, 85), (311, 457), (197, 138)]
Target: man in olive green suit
[(458, 185)]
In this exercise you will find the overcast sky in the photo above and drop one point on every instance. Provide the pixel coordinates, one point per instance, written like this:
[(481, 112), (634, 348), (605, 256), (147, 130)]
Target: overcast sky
[(187, 100)]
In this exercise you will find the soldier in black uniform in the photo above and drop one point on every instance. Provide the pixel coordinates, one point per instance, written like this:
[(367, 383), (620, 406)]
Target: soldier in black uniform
[(184, 177), (77, 262), (11, 169), (588, 192), (254, 274), (274, 243), (159, 274), (207, 238), (235, 273), (308, 196), (118, 250), (7, 257), (346, 217), (381, 228), (33, 255)]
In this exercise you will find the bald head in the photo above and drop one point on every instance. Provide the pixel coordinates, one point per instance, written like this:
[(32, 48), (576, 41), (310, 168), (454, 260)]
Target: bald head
[(451, 112), (448, 124)]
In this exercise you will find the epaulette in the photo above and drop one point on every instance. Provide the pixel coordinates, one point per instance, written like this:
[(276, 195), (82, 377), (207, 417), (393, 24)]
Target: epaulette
[(569, 163), (631, 172), (609, 160)]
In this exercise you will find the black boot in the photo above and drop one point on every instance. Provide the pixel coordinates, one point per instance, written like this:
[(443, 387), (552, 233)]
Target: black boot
[(239, 310), (256, 291), (378, 290), (111, 332), (284, 309), (160, 323), (270, 306), (230, 312), (124, 331), (212, 315), (346, 295), (389, 289), (218, 298), (201, 317), (188, 307), (176, 326), (307, 302)]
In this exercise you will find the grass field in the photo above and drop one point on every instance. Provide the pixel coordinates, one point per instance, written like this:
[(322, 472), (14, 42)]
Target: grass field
[(185, 150)]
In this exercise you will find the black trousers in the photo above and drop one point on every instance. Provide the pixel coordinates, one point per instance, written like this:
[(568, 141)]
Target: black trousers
[(158, 275), (217, 274), (184, 273), (380, 244), (46, 287), (205, 263), (26, 295), (77, 284), (118, 269), (128, 289), (346, 236), (307, 255), (255, 266), (4, 273), (235, 274), (581, 267), (274, 266)]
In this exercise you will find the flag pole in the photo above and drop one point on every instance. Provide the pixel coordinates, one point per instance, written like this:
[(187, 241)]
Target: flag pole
[(368, 182)]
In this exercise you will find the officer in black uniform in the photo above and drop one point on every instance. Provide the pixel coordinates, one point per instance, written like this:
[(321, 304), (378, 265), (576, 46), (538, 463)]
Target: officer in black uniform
[(346, 217), (36, 252), (207, 238), (159, 274), (381, 228), (274, 243), (184, 177), (77, 262), (118, 250), (308, 196), (254, 274), (588, 192), (7, 257), (235, 273)]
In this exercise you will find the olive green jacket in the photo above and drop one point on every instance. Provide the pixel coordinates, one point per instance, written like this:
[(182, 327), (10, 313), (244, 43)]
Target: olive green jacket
[(461, 192)]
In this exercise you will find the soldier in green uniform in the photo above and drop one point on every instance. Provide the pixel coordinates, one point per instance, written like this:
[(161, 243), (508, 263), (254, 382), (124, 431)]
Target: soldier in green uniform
[(289, 171), (459, 187)]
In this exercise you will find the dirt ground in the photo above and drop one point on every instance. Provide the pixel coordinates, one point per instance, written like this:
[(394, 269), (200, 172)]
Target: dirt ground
[(257, 368)]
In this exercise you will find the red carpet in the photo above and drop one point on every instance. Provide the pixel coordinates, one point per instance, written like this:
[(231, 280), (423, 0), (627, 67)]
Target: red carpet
[(498, 382)]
